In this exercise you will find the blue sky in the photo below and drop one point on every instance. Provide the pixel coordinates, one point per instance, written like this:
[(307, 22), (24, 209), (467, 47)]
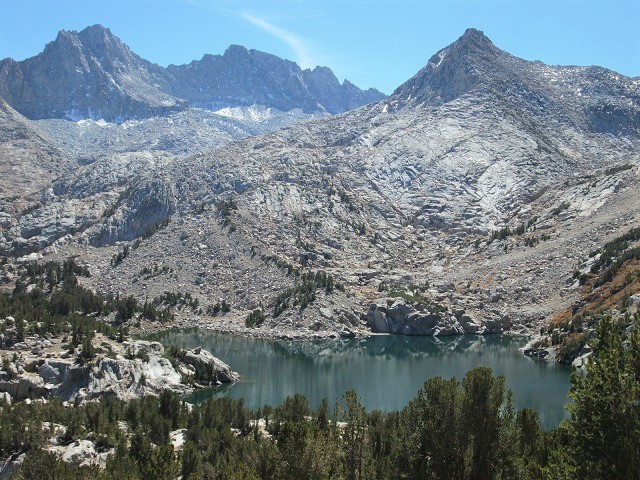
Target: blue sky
[(372, 43)]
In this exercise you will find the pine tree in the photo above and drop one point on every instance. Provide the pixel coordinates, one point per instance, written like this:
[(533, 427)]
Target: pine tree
[(605, 415)]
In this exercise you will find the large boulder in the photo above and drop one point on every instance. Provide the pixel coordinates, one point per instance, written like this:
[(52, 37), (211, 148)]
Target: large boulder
[(132, 378), (26, 386), (80, 453), (395, 315), (11, 465), (399, 316), (208, 368), (73, 379), (54, 371)]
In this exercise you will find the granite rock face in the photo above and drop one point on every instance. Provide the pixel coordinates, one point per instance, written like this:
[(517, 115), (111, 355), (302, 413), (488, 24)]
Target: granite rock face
[(29, 163), (208, 369), (394, 315)]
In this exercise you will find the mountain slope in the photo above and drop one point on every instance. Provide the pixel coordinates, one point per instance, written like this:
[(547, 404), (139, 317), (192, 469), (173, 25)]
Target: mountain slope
[(591, 98), (182, 133), (29, 164), (91, 74)]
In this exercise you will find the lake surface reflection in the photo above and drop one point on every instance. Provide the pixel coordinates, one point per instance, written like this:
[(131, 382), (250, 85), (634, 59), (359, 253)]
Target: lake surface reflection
[(386, 371)]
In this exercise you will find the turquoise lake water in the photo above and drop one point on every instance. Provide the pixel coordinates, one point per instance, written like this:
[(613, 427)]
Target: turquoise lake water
[(386, 371)]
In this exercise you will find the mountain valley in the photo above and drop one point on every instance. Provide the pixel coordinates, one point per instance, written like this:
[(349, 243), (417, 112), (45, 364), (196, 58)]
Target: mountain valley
[(463, 202)]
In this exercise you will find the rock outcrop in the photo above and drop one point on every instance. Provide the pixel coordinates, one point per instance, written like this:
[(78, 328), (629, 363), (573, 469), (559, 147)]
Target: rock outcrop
[(124, 370), (395, 315)]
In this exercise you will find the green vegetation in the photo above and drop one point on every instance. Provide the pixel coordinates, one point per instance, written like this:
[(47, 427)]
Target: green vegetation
[(304, 292), (605, 416), (613, 255), (505, 232), (120, 256), (177, 299), (534, 240), (519, 230), (570, 347), (48, 298), (613, 277), (255, 318), (127, 248), (156, 270), (412, 294), (226, 208), (560, 208), (282, 264), (220, 307), (153, 229)]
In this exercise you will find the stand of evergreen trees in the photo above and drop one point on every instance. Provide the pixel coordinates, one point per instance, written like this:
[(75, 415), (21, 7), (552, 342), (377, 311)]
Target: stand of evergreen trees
[(48, 298)]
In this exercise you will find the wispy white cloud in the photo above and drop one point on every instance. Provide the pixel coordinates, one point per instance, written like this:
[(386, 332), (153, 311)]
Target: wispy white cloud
[(303, 57)]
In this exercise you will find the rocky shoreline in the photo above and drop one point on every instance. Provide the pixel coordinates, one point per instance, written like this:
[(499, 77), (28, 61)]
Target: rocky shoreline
[(385, 315)]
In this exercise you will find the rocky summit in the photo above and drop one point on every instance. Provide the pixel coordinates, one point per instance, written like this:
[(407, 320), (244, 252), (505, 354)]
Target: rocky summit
[(463, 203)]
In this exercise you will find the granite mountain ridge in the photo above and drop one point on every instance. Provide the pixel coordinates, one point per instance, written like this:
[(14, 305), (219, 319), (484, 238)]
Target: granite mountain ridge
[(92, 74)]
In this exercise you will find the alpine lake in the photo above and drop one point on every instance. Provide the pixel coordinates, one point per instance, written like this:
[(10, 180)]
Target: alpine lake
[(386, 371)]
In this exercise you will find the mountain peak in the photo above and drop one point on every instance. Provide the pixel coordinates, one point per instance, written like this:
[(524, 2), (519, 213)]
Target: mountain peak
[(235, 49), (473, 41), (97, 28), (475, 35), (452, 71), (92, 32), (99, 39), (94, 39)]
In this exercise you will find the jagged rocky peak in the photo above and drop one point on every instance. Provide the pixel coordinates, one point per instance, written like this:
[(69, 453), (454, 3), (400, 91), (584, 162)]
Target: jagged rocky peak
[(90, 50), (87, 74), (235, 51), (473, 40), (99, 37), (452, 71), (105, 46), (94, 47)]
